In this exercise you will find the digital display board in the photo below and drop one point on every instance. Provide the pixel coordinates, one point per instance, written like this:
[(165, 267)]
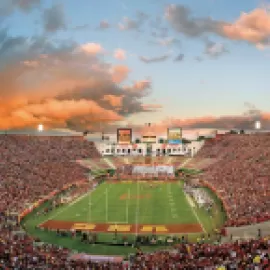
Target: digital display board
[(174, 135), (124, 135), (149, 139)]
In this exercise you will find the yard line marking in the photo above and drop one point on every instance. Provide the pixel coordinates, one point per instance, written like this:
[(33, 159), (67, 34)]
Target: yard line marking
[(62, 210), (68, 206), (171, 202)]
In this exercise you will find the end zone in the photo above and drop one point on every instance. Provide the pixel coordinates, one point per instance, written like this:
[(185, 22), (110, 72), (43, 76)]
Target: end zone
[(123, 228)]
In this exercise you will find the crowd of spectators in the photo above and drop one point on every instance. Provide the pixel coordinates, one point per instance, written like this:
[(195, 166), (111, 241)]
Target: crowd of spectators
[(32, 167), (20, 251), (238, 255), (240, 175)]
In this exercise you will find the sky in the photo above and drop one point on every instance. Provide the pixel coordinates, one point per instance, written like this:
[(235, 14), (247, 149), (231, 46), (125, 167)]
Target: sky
[(82, 64)]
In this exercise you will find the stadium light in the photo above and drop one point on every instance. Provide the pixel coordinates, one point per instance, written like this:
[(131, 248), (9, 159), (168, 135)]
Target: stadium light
[(40, 128), (257, 125)]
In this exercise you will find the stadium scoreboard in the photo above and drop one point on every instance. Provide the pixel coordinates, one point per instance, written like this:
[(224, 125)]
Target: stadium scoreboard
[(174, 135), (124, 135)]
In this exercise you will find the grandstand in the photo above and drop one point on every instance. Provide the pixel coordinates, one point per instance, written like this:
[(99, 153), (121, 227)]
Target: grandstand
[(241, 171), (44, 175)]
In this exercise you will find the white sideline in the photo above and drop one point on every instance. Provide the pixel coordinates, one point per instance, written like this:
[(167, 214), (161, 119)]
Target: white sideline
[(190, 201), (61, 211), (194, 212), (67, 207)]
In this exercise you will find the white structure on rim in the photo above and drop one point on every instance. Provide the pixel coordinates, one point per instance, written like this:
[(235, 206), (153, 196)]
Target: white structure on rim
[(158, 149), (149, 143)]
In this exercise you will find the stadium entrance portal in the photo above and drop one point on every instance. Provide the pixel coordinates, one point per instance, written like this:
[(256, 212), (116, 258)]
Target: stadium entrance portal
[(149, 149), (148, 158)]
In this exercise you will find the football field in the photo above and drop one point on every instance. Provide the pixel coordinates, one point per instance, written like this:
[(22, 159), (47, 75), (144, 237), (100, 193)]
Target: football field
[(130, 207)]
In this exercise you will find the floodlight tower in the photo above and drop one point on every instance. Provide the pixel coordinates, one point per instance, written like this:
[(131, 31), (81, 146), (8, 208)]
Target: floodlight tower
[(40, 128), (258, 125)]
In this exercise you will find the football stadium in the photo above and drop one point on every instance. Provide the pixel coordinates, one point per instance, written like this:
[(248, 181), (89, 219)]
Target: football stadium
[(134, 135), (87, 209)]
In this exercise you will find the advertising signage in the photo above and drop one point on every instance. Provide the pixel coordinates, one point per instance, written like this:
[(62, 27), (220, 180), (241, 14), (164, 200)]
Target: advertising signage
[(124, 135), (174, 135)]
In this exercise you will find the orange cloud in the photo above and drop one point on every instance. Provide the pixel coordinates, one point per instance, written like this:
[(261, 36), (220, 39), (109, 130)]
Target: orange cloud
[(68, 88), (119, 54), (91, 48), (245, 121), (266, 116), (32, 64), (119, 73), (115, 101), (253, 27), (56, 111), (138, 85), (174, 122)]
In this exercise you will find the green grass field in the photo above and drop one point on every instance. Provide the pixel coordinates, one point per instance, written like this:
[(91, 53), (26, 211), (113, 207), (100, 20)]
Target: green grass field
[(131, 203), (161, 204)]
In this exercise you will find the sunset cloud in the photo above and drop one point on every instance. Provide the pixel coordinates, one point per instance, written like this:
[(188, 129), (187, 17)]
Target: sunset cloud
[(54, 18), (139, 86), (214, 50), (119, 73), (26, 5), (209, 122), (104, 25), (115, 101), (91, 48), (128, 24), (8, 6), (133, 24), (56, 112), (32, 64), (252, 27), (181, 19), (119, 54), (150, 107), (156, 59), (63, 87)]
